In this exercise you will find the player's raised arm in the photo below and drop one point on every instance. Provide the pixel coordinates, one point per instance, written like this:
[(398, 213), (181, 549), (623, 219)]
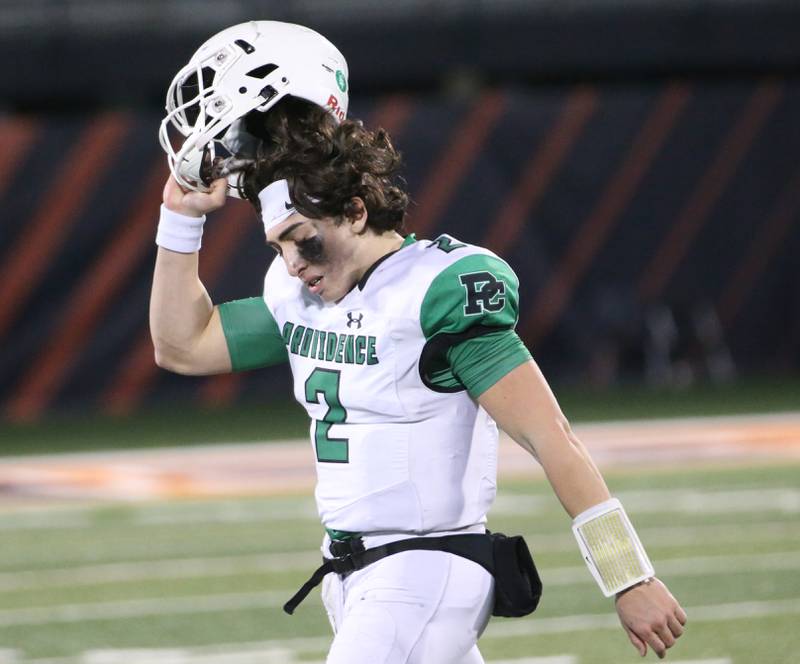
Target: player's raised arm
[(184, 324), (205, 133), (523, 405)]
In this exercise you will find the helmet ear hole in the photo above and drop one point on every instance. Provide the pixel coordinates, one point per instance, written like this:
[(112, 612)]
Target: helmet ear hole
[(268, 92), (247, 47), (263, 71)]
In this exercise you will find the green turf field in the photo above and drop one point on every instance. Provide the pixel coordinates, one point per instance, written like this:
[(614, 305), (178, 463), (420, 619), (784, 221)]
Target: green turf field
[(205, 579)]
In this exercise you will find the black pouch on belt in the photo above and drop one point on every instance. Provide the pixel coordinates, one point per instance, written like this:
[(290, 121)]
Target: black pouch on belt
[(517, 584)]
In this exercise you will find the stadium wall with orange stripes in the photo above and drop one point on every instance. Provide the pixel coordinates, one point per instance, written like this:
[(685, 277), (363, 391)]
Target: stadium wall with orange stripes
[(614, 203)]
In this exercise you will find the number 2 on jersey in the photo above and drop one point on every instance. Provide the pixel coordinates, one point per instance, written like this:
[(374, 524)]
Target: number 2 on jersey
[(326, 382)]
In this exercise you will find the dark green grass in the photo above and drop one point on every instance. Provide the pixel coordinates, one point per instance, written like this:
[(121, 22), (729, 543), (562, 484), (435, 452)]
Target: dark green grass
[(242, 532)]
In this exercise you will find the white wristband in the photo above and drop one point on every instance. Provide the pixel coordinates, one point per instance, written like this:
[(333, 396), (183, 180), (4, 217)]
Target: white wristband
[(611, 547), (180, 233)]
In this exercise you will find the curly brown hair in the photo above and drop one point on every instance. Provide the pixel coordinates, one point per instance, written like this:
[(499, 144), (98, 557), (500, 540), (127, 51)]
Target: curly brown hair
[(326, 165)]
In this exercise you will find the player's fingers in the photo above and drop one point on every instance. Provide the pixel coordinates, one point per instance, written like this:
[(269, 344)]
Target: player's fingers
[(640, 645), (680, 614), (198, 203), (218, 192), (655, 642), (219, 187), (675, 626), (665, 634)]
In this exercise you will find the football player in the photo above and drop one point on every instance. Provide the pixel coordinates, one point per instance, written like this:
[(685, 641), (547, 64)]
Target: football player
[(402, 350)]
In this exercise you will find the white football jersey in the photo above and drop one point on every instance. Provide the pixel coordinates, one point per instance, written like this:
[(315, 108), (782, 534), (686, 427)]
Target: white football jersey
[(400, 446)]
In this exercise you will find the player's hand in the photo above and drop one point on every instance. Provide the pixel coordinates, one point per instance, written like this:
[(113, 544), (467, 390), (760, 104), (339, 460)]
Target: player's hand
[(194, 203), (651, 615)]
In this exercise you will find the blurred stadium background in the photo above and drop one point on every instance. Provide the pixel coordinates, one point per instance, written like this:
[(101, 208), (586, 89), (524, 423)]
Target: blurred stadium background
[(636, 161)]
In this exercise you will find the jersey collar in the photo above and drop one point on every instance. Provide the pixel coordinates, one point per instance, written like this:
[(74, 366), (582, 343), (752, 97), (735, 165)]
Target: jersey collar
[(411, 238)]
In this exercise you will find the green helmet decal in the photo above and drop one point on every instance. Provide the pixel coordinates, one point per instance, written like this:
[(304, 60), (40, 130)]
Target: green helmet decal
[(341, 81)]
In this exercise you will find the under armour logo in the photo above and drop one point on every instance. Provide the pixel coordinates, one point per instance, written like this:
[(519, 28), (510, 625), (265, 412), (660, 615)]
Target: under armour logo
[(352, 320), (288, 206)]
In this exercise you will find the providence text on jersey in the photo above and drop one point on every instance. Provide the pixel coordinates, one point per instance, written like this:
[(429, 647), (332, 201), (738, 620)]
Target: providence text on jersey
[(329, 346)]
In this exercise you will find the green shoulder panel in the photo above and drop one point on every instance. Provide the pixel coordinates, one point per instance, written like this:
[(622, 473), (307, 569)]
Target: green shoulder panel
[(477, 290), (473, 297), (252, 334)]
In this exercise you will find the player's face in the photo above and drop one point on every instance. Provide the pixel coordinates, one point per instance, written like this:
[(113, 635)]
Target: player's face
[(320, 253)]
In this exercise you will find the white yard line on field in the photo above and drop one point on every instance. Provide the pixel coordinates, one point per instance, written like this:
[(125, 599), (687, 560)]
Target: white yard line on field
[(667, 537), (186, 568), (187, 656), (254, 656), (288, 647), (679, 537), (556, 659), (588, 622), (181, 568), (664, 501), (44, 521), (523, 628), (784, 500), (719, 660), (235, 655), (169, 513), (696, 566), (121, 609), (136, 608)]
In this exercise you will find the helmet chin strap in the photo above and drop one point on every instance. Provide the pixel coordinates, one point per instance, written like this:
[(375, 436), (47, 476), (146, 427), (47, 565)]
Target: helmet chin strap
[(199, 169)]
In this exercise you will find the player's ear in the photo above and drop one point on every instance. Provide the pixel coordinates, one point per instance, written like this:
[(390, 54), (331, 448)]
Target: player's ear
[(355, 211)]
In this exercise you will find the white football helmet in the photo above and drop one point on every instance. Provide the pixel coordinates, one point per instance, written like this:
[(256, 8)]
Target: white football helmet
[(247, 67)]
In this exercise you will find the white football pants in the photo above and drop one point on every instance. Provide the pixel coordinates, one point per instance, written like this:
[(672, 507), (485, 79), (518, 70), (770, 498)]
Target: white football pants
[(414, 607)]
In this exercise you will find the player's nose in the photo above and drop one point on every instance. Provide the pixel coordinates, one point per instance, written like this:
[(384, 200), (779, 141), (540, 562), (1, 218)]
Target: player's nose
[(295, 265)]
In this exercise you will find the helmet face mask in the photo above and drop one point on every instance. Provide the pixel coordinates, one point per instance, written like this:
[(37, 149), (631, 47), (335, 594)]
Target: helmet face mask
[(247, 67)]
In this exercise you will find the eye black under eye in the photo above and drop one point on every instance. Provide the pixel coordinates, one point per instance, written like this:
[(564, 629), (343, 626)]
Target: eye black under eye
[(310, 249)]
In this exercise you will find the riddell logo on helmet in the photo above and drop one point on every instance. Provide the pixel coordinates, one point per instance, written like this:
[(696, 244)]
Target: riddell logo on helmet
[(333, 104)]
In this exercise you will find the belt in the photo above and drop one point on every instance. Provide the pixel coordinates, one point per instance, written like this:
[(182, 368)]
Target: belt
[(350, 556)]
